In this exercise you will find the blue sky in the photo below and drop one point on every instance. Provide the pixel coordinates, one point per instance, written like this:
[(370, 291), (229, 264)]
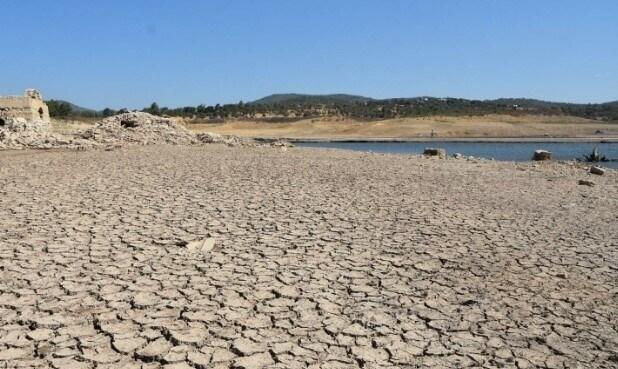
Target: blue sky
[(129, 53)]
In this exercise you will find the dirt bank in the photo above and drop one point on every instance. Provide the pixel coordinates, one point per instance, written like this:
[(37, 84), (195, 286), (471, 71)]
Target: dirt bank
[(490, 126)]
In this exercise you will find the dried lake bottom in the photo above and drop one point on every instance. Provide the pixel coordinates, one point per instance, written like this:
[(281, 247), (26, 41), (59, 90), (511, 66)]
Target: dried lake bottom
[(321, 259)]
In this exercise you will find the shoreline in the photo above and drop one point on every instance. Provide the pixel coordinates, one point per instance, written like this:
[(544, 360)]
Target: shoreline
[(497, 128), (449, 139)]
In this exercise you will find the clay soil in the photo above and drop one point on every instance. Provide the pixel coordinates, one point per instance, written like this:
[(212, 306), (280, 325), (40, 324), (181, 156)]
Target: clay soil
[(322, 259)]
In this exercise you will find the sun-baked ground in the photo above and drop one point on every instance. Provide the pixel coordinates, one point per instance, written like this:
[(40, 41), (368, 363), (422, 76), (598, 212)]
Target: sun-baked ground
[(321, 259)]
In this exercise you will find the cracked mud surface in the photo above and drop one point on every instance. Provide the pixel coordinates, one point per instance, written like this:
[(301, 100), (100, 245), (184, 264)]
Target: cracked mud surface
[(322, 259)]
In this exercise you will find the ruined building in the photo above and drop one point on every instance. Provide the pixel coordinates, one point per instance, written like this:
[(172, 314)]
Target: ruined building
[(29, 107)]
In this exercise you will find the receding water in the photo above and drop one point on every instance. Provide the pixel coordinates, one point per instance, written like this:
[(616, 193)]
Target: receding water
[(506, 151)]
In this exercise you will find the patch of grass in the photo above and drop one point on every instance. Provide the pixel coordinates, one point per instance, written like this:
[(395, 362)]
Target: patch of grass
[(594, 156)]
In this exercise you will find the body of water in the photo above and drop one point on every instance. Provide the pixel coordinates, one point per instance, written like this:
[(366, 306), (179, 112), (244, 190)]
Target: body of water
[(506, 151)]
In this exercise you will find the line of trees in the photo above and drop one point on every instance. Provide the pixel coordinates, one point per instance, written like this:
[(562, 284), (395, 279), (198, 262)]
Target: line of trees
[(392, 108)]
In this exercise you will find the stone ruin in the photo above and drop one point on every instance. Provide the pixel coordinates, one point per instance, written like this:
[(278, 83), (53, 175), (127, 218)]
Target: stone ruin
[(25, 123), (29, 107)]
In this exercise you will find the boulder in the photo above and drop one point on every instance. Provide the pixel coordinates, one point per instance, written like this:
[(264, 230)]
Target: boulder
[(585, 182), (431, 151), (597, 170), (541, 155)]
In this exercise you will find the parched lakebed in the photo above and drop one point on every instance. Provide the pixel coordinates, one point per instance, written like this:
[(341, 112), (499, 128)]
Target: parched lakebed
[(321, 259)]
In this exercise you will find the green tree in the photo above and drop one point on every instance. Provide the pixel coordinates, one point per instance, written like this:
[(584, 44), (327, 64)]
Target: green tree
[(153, 109), (59, 109), (107, 112)]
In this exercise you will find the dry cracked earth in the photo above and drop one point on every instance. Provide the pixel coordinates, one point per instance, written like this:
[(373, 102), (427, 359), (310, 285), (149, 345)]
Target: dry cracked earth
[(322, 259)]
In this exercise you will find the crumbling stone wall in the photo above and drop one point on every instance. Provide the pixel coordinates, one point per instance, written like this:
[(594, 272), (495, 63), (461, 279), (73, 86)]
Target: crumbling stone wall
[(29, 107)]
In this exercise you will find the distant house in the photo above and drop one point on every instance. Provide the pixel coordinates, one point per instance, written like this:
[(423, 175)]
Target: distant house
[(30, 107)]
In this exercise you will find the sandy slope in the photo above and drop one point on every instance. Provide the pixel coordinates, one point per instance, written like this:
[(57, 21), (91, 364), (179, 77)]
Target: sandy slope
[(485, 126)]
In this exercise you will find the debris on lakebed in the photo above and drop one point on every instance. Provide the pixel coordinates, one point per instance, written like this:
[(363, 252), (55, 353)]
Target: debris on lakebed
[(140, 129), (541, 155), (127, 129), (201, 245), (18, 133), (432, 151), (597, 170), (586, 182)]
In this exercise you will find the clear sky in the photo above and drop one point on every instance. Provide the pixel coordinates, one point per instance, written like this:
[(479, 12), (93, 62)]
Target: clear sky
[(122, 53)]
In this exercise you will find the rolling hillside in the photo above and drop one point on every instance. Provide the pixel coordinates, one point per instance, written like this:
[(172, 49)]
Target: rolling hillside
[(301, 99), (294, 106)]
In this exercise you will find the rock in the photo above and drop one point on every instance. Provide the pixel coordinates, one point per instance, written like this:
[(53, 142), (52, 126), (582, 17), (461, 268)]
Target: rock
[(208, 137), (597, 170), (18, 133), (430, 151), (457, 155), (138, 128), (281, 143), (586, 182), (541, 155), (204, 245), (229, 140), (22, 125)]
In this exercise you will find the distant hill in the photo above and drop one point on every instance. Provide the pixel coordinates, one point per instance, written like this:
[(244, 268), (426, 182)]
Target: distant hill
[(304, 99), (78, 110), (307, 99)]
